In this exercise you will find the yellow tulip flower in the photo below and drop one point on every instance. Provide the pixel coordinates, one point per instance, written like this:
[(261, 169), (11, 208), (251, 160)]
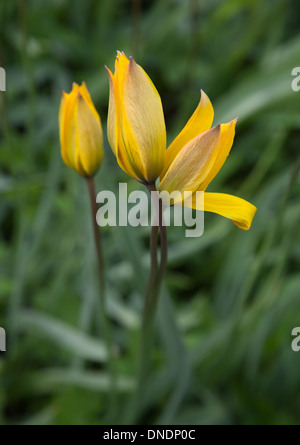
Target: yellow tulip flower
[(135, 125), (137, 135), (195, 157), (81, 137)]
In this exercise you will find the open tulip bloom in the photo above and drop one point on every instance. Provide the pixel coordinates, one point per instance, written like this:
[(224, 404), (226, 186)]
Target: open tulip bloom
[(137, 135)]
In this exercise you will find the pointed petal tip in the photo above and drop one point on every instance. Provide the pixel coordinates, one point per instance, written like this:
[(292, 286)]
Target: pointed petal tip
[(120, 54), (233, 121), (204, 99), (131, 63), (217, 128), (65, 95), (110, 74)]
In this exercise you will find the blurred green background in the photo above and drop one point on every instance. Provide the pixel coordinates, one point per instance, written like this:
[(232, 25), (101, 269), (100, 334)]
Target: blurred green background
[(231, 298)]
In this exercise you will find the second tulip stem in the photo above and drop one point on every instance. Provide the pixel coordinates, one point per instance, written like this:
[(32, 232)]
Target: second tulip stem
[(104, 319)]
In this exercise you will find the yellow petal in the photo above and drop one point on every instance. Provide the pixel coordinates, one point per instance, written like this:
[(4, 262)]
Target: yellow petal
[(200, 121), (222, 148), (241, 212), (128, 154), (86, 95), (121, 65), (67, 126), (89, 138), (192, 163), (113, 126), (142, 123), (112, 117)]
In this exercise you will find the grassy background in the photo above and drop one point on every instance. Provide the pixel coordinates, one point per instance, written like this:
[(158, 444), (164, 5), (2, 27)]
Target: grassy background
[(231, 298)]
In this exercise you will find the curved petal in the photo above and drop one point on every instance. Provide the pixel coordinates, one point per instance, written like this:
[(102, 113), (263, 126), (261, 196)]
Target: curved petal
[(67, 124), (142, 123), (241, 212), (121, 65), (112, 117), (115, 83), (113, 126), (89, 139), (200, 121), (86, 95), (192, 163), (222, 148)]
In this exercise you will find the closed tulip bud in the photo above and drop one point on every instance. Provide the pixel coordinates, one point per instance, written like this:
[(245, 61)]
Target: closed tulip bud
[(81, 137)]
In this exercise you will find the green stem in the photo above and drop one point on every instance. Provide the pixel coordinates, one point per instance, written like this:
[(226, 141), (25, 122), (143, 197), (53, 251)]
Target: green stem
[(163, 262), (98, 240), (153, 266), (151, 298), (104, 319)]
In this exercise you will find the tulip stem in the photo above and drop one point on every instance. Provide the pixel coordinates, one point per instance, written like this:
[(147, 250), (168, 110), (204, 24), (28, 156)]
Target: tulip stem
[(156, 273), (104, 318), (152, 295), (153, 266), (163, 252), (98, 240)]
